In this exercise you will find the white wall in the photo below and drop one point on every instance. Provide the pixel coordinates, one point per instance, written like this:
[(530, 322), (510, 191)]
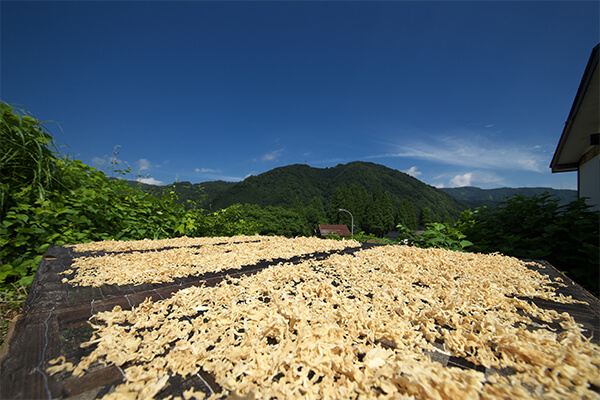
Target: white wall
[(589, 181)]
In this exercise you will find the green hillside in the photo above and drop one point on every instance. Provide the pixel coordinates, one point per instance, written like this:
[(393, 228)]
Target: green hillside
[(476, 197), (299, 184)]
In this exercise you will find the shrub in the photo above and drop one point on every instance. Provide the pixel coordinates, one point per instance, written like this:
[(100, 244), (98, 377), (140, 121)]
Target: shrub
[(49, 199), (436, 235), (537, 227)]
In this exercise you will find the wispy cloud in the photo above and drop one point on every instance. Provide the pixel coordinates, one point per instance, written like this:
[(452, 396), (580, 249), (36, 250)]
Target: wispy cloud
[(476, 178), (272, 156), (208, 170), (473, 152), (334, 160), (216, 174), (412, 171), (143, 164), (228, 178)]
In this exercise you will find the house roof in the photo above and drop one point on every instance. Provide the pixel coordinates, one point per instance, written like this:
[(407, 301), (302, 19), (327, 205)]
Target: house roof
[(582, 122), (341, 230)]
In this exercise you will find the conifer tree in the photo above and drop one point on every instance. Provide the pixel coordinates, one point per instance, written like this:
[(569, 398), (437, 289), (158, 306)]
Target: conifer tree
[(407, 215), (380, 215), (425, 217)]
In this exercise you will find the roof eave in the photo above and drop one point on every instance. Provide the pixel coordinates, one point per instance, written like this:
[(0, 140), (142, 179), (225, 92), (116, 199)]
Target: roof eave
[(583, 85)]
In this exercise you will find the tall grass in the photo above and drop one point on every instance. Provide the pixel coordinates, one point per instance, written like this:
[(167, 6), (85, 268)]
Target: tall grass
[(28, 161)]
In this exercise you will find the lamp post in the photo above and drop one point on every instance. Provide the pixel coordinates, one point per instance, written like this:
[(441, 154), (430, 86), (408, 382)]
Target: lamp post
[(351, 216)]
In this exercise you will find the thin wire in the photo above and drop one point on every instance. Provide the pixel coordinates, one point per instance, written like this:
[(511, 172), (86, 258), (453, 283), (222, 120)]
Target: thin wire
[(37, 369), (92, 311), (206, 383), (127, 298)]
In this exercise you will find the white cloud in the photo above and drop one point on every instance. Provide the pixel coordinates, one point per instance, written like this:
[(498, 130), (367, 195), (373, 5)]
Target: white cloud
[(272, 156), (474, 152), (440, 186), (150, 181), (412, 171), (462, 180), (483, 179), (143, 164)]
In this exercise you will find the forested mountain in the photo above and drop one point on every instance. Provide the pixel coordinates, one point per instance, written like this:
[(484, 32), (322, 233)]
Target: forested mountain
[(298, 185), (476, 197), (287, 186)]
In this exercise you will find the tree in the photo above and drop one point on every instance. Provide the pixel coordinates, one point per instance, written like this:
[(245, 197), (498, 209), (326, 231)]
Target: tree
[(357, 203), (314, 214), (425, 217), (407, 215), (338, 200), (538, 227), (380, 215), (274, 220)]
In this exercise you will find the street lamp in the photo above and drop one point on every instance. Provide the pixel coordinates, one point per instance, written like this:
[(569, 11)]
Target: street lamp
[(352, 216)]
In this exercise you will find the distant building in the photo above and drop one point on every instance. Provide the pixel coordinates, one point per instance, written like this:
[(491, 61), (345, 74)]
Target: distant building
[(340, 230), (578, 148)]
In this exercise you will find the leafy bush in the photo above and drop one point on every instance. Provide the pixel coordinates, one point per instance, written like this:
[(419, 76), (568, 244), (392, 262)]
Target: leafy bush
[(437, 235), (229, 221), (49, 199), (273, 220), (88, 207), (537, 227)]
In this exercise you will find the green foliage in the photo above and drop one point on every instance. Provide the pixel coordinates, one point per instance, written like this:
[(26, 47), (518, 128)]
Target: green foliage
[(371, 238), (426, 216), (538, 227), (436, 235), (284, 185), (380, 214), (353, 198), (407, 215), (444, 236), (88, 207), (230, 221), (312, 215), (49, 199), (275, 221), (27, 158)]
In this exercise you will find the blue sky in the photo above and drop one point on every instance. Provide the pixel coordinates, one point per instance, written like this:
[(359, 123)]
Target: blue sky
[(454, 93)]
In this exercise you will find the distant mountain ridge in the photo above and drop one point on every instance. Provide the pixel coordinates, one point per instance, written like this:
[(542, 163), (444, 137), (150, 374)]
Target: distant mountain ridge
[(299, 183), (476, 197)]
